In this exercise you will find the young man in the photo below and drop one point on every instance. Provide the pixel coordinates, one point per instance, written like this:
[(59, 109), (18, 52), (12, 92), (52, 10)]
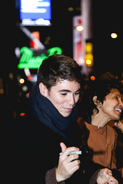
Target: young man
[(47, 129)]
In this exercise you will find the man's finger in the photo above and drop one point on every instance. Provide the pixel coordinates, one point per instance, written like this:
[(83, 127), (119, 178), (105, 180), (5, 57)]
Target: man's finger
[(63, 147), (66, 151)]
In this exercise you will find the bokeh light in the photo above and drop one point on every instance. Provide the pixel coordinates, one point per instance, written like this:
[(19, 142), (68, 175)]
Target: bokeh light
[(113, 35)]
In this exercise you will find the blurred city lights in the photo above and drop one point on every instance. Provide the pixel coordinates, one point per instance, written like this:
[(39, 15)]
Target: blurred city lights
[(79, 28), (78, 8), (113, 35), (27, 95), (89, 47), (70, 9), (22, 113), (32, 78), (1, 86), (11, 75), (27, 72), (1, 91), (88, 62), (81, 61), (24, 88), (89, 54), (92, 78), (17, 52), (27, 59), (42, 22), (21, 81)]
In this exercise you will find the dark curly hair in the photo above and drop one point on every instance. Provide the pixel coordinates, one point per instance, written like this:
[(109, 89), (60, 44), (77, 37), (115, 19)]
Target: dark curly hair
[(101, 89), (58, 67)]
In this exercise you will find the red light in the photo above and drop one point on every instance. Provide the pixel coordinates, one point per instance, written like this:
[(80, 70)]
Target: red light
[(22, 114), (92, 78), (79, 21), (30, 77)]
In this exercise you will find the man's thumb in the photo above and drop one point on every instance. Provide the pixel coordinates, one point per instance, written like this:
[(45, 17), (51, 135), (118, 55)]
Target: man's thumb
[(63, 147)]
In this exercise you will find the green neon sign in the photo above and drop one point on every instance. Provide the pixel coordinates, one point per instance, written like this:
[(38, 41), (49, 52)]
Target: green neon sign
[(27, 59)]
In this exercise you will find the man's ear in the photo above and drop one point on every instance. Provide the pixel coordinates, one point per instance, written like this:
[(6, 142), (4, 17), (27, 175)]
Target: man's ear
[(43, 89), (97, 102)]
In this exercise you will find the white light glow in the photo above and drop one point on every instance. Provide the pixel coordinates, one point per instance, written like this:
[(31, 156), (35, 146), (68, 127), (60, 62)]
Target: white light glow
[(21, 81), (79, 28), (113, 35)]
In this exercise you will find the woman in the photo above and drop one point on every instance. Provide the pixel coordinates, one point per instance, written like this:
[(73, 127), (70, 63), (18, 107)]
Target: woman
[(100, 104)]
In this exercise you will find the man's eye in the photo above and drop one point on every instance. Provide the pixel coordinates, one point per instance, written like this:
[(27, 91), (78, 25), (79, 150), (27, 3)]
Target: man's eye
[(63, 94), (77, 93)]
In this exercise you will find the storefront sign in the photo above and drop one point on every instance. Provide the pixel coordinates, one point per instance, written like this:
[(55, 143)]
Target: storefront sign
[(28, 60)]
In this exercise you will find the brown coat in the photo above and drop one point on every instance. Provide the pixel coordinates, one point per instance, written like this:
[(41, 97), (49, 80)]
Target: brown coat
[(103, 143)]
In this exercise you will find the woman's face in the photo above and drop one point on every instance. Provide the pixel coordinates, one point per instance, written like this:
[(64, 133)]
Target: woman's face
[(112, 105)]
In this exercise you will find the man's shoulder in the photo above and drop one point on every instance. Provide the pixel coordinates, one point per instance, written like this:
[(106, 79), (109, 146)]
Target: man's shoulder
[(27, 123), (22, 120), (27, 130)]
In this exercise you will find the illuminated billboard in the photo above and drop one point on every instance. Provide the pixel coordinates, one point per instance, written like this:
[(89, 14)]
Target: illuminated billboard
[(35, 12), (33, 59)]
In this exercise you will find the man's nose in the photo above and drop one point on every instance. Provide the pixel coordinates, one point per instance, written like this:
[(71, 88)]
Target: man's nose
[(71, 100)]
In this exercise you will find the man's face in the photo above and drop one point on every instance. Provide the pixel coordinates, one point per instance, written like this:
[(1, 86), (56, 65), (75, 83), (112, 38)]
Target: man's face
[(64, 95), (112, 105)]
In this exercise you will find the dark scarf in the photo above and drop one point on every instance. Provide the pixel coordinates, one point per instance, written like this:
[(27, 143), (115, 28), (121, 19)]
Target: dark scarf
[(88, 119), (45, 112)]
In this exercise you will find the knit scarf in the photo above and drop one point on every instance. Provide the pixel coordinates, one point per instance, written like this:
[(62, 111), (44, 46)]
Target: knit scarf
[(46, 113)]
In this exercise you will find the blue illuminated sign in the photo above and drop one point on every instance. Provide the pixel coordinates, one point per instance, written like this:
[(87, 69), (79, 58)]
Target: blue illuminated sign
[(35, 9)]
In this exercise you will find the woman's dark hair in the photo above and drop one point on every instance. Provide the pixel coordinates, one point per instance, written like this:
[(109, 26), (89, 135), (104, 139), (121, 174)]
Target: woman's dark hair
[(58, 67), (101, 89)]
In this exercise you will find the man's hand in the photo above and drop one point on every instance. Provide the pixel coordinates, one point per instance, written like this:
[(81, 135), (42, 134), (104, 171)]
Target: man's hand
[(68, 164), (105, 177)]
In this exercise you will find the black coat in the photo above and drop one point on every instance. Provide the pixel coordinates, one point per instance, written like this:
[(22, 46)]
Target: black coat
[(30, 147)]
